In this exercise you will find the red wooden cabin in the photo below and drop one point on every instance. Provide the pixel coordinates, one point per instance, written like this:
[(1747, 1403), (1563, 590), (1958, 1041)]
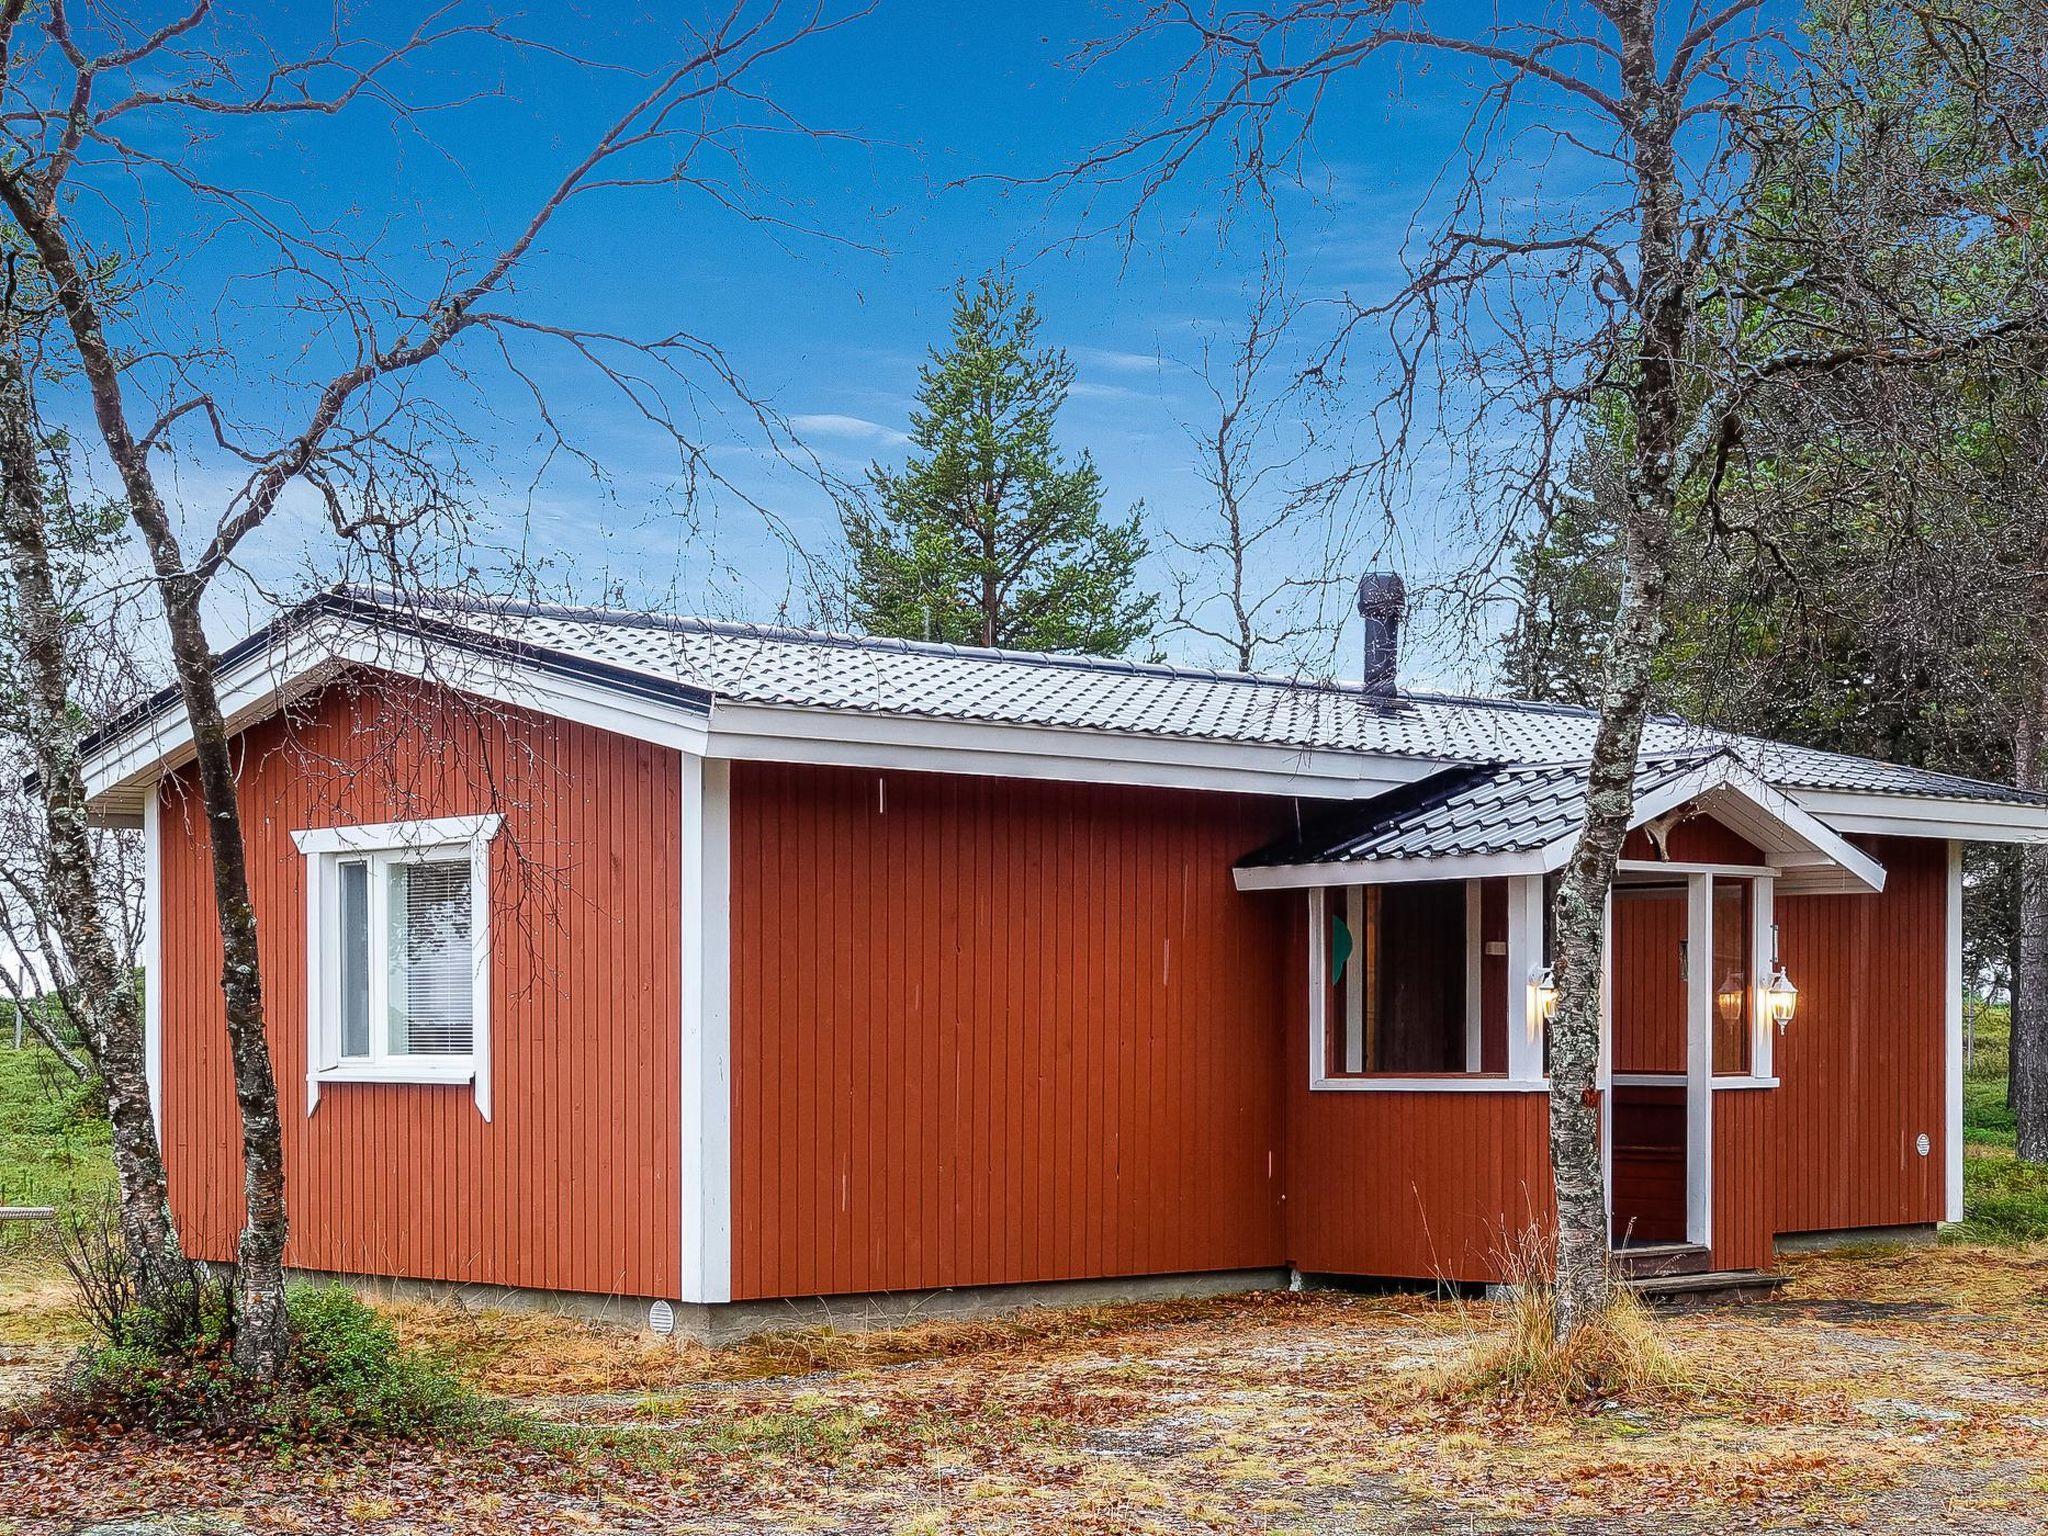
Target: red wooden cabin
[(638, 960)]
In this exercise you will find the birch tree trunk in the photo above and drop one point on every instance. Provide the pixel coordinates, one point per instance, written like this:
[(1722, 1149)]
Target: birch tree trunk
[(1584, 1285), (262, 1330), (113, 1026)]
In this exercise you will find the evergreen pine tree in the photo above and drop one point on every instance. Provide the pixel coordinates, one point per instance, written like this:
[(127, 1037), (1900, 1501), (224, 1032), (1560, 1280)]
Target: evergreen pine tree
[(988, 535)]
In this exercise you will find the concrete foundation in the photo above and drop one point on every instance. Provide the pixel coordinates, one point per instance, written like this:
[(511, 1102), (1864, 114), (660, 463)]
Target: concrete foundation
[(1918, 1236), (719, 1323)]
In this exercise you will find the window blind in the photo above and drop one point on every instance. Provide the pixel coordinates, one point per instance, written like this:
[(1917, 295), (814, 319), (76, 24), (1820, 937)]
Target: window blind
[(432, 973)]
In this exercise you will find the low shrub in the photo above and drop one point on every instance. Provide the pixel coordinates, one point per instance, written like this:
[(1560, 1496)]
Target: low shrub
[(165, 1363), (348, 1378)]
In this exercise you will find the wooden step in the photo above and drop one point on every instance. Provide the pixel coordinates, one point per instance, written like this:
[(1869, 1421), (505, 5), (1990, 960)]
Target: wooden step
[(1735, 1286), (1647, 1261)]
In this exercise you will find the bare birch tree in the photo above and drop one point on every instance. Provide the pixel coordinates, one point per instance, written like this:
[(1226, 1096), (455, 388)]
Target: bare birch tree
[(89, 102), (91, 969), (1679, 276), (1253, 447)]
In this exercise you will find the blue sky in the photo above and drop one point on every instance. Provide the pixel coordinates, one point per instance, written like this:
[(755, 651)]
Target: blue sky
[(941, 104)]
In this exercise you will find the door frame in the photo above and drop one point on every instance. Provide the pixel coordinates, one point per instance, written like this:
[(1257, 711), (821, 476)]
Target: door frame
[(1700, 1080)]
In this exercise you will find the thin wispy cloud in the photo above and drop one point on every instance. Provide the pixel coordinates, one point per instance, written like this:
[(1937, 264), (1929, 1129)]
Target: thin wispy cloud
[(1111, 361), (847, 428)]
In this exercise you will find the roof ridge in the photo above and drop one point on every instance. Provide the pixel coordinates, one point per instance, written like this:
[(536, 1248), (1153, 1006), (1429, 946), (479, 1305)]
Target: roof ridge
[(797, 634)]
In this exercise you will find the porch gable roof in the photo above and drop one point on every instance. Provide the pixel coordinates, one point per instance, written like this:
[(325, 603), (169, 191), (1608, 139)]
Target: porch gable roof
[(1523, 818)]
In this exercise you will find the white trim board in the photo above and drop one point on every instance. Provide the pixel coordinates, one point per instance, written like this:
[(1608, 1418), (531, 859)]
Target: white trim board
[(267, 681), (153, 963), (1972, 821), (705, 1093), (1952, 1038)]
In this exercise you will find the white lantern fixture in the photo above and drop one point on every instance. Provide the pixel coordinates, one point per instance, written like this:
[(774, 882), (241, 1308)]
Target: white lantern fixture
[(1542, 996), (1781, 998)]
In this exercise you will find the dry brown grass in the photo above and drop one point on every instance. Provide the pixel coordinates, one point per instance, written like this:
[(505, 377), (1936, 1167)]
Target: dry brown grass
[(532, 1354), (1516, 1360), (1621, 1357), (38, 1303)]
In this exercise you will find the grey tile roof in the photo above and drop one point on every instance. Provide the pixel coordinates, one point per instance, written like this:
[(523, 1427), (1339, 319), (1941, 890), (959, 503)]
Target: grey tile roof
[(812, 669), (1458, 812)]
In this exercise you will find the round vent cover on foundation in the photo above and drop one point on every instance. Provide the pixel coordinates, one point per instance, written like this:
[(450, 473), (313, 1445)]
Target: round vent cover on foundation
[(661, 1317)]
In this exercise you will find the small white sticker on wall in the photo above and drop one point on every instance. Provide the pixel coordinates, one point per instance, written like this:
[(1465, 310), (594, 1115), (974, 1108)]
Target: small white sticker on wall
[(1923, 1145)]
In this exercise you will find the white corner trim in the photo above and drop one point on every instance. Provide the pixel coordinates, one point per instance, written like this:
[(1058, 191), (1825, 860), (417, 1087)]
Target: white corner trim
[(153, 962), (466, 835), (705, 1099), (1952, 1032)]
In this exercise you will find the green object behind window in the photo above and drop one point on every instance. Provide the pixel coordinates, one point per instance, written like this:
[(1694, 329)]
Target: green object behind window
[(1340, 948)]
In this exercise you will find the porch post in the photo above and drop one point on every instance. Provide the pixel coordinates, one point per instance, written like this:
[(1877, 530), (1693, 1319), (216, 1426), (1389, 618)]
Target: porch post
[(1525, 956), (1762, 951), (1699, 1059)]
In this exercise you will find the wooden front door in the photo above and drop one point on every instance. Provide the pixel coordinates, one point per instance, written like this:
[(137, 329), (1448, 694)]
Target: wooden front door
[(1649, 1095)]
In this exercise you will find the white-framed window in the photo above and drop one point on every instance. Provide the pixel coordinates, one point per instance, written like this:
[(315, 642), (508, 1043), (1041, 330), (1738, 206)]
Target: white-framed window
[(1400, 977), (398, 953)]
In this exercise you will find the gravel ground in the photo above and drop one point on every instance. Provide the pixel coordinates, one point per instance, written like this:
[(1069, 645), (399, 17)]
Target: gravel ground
[(1890, 1393)]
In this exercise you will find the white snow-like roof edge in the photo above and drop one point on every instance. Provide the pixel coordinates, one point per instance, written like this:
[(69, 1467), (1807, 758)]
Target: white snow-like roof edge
[(741, 691)]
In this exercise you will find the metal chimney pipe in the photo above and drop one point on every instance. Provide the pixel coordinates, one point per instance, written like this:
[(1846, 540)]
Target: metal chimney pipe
[(1382, 603)]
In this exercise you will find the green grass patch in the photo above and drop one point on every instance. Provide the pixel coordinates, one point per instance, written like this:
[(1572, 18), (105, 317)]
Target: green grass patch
[(1987, 1119), (54, 1146), (1988, 1038), (2004, 1200)]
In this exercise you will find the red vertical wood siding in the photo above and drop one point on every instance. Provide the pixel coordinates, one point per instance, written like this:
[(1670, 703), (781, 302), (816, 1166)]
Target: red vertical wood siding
[(989, 1031), (1420, 1185), (1649, 999), (1700, 840), (1862, 1062), (1746, 1190), (572, 1185)]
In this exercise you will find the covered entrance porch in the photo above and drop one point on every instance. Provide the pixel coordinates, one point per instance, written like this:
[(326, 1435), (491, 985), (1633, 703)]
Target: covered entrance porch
[(1428, 984)]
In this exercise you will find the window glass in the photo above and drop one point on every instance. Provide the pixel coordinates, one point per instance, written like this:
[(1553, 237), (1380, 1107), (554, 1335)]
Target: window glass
[(355, 958), (1732, 990), (428, 990), (1397, 1007)]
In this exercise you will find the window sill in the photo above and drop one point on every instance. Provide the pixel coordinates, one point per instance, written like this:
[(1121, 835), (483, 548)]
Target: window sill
[(460, 1074), (1745, 1082), (1448, 1084)]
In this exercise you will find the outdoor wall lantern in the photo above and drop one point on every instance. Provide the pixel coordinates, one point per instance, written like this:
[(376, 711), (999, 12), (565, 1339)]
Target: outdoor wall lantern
[(1542, 996), (1781, 998)]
